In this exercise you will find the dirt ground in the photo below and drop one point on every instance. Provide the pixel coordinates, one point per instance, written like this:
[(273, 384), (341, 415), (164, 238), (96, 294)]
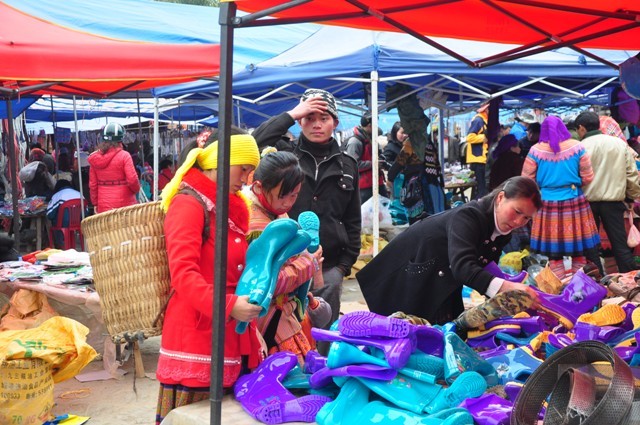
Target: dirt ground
[(114, 401)]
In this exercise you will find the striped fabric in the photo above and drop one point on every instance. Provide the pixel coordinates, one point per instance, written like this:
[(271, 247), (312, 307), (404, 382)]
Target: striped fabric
[(609, 126), (564, 228), (295, 271), (297, 344), (174, 396)]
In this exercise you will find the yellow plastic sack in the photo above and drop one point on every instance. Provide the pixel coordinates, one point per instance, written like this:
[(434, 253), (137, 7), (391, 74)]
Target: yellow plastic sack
[(513, 260), (26, 395), (60, 341), (366, 244)]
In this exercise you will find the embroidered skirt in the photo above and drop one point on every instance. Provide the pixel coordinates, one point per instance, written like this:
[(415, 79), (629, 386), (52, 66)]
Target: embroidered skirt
[(174, 396), (564, 228), (298, 344)]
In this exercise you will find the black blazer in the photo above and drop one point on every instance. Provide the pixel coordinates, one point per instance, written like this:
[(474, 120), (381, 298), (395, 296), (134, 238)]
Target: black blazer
[(423, 269)]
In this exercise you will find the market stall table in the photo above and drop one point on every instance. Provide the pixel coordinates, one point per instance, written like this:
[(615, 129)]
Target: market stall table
[(458, 189), (40, 220), (81, 304)]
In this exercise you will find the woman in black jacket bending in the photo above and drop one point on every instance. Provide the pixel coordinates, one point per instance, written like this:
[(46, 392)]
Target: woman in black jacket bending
[(422, 271)]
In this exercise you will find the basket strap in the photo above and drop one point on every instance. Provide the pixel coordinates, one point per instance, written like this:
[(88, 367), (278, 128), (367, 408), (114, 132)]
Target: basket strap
[(163, 309), (205, 231)]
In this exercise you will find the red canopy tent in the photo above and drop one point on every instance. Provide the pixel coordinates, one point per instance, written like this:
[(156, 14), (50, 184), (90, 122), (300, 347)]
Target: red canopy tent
[(40, 57), (535, 25)]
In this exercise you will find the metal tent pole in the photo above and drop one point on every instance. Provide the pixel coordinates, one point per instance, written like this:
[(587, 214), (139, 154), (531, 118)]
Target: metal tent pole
[(374, 161), (75, 121), (227, 16), (13, 162), (140, 129), (156, 143)]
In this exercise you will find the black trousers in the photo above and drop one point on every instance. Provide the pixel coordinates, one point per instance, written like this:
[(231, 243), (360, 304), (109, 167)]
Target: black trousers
[(611, 214), (481, 179), (331, 292)]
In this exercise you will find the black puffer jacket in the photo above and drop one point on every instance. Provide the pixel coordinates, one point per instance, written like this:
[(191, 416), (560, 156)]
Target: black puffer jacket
[(330, 190), (423, 269)]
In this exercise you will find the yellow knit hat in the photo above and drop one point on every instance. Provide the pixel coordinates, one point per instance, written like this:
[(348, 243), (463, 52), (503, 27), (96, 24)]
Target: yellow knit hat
[(244, 151)]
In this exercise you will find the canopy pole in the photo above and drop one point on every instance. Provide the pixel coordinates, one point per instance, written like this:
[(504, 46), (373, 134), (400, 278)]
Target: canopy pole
[(75, 122), (227, 18), (13, 163), (179, 125), (374, 161), (156, 142), (441, 142), (140, 129), (238, 113), (55, 138)]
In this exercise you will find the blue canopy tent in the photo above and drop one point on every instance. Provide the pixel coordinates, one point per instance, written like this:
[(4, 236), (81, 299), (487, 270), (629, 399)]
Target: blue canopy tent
[(18, 106), (61, 109), (345, 69)]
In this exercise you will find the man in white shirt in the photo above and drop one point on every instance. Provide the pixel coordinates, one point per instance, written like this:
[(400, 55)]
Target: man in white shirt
[(615, 178)]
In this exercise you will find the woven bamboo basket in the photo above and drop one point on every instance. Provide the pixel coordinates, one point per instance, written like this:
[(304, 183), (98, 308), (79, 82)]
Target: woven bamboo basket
[(130, 268)]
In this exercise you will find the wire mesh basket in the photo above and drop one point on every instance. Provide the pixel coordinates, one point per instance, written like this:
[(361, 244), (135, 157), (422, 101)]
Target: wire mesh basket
[(130, 268)]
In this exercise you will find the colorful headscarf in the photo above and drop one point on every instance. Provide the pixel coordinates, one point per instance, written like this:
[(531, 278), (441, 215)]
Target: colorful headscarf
[(609, 126), (332, 108), (505, 143), (244, 151), (553, 131), (203, 137), (36, 154)]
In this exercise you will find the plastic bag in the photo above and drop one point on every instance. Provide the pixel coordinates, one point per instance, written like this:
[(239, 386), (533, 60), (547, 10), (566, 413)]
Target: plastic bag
[(548, 282), (633, 237), (27, 391), (511, 262), (412, 191), (60, 341), (26, 310), (28, 172), (32, 360), (384, 215)]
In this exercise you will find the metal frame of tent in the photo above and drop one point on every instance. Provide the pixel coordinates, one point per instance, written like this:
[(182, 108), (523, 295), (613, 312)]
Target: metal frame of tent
[(370, 17)]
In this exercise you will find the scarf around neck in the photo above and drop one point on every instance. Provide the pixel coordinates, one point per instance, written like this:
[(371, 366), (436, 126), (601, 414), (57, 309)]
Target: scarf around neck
[(238, 209)]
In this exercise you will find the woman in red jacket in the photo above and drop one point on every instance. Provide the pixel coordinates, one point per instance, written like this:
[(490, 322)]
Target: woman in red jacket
[(185, 353), (113, 181)]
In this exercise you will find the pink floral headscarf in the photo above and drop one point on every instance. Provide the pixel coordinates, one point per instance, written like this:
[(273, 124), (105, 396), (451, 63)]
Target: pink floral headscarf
[(609, 126)]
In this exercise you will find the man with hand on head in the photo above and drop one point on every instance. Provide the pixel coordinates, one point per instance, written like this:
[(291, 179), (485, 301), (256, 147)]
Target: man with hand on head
[(330, 186)]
